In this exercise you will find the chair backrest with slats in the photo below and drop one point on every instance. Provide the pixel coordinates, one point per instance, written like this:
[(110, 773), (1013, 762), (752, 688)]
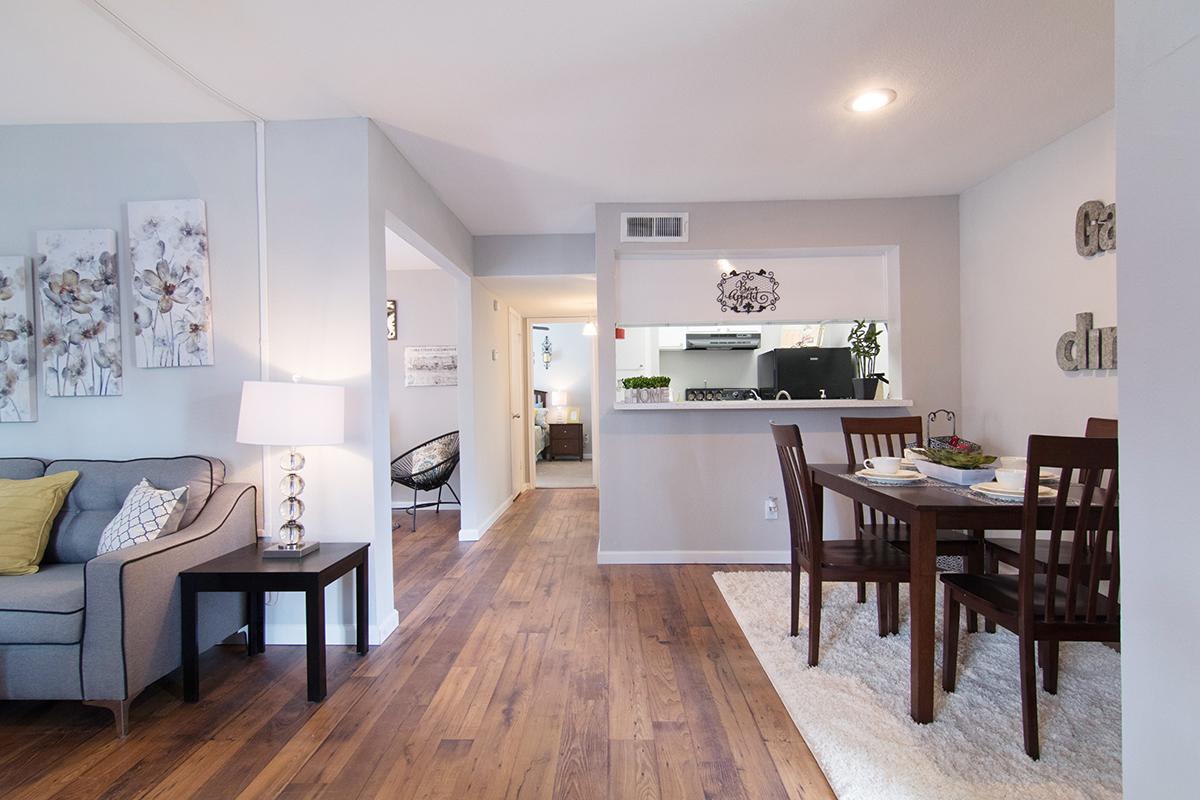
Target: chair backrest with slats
[(877, 436), (1093, 547), (797, 486)]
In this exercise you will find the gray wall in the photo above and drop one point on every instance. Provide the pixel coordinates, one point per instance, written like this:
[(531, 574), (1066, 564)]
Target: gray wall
[(81, 176), (1022, 285), (1158, 194), (691, 485), (548, 254)]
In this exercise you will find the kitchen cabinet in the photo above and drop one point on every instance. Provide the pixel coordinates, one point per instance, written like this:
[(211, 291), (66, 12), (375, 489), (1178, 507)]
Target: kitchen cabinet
[(637, 353)]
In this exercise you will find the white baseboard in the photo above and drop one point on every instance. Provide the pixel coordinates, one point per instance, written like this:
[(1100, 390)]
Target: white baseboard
[(475, 534), (335, 633), (693, 557)]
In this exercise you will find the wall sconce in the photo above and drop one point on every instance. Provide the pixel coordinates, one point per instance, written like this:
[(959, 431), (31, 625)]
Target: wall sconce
[(589, 328), (546, 353)]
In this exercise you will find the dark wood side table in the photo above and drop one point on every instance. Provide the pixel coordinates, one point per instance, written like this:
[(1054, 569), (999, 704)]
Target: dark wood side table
[(566, 439), (245, 570)]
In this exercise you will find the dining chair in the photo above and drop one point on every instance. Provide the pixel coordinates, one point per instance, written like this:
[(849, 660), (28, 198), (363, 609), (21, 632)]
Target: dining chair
[(888, 436), (842, 560), (1007, 550), (1059, 603)]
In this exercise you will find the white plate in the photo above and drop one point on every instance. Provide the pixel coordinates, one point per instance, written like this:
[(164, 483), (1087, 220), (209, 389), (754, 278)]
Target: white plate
[(993, 489), (903, 476)]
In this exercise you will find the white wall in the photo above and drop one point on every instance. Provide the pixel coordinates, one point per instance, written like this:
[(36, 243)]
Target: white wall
[(323, 325), (690, 486), (426, 314), (1022, 283), (490, 465), (1158, 195), (544, 254), (81, 176), (570, 370)]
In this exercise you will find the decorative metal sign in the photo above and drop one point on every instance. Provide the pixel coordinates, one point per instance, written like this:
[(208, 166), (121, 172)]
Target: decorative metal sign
[(1095, 228), (748, 292), (1087, 347)]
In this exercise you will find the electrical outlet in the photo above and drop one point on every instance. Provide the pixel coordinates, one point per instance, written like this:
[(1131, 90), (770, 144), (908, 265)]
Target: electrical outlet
[(771, 511)]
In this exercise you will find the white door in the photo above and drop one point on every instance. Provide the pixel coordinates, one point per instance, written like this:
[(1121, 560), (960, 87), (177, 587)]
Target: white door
[(517, 405)]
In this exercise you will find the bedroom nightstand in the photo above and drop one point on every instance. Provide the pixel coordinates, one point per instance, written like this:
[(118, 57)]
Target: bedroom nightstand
[(566, 439)]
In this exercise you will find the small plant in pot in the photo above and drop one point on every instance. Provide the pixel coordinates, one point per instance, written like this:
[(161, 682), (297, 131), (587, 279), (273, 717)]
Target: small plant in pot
[(653, 389), (864, 346)]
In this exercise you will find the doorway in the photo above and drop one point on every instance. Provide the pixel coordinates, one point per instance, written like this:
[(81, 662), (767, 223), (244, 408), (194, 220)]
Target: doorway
[(562, 368), (423, 304)]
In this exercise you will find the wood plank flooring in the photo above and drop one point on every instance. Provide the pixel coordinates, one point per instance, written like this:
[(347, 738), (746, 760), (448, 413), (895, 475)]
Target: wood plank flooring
[(521, 669)]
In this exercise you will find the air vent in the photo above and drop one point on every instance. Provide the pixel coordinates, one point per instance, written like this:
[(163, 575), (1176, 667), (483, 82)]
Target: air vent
[(654, 227)]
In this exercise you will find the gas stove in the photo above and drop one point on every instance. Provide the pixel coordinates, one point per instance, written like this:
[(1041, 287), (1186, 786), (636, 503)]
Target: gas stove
[(716, 395)]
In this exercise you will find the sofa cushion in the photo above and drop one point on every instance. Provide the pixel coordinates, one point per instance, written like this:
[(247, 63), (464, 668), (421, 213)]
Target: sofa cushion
[(43, 608), (103, 486), (20, 469), (28, 509)]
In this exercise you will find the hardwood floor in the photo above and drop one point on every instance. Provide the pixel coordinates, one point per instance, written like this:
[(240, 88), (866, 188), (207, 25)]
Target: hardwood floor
[(521, 669)]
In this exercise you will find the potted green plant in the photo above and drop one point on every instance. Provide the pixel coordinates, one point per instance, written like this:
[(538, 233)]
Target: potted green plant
[(642, 389), (864, 346)]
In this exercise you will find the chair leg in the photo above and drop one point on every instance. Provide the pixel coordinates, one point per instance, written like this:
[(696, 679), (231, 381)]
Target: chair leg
[(990, 567), (862, 585), (814, 620), (882, 598), (438, 508), (414, 509), (1048, 656), (950, 641), (795, 600), (974, 564), (120, 712), (1029, 721), (894, 608)]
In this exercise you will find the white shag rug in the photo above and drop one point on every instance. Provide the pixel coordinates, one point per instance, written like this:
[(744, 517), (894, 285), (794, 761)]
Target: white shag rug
[(853, 708)]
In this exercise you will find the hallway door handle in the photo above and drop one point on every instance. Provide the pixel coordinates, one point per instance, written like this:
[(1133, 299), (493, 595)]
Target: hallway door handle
[(516, 416)]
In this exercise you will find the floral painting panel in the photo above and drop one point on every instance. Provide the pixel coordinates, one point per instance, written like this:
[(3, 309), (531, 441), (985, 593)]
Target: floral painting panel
[(172, 304), (80, 325), (18, 392)]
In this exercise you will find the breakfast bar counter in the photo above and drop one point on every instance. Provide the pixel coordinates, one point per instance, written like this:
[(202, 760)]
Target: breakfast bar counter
[(761, 405)]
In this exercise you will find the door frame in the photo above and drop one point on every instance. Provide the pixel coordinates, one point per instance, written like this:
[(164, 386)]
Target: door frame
[(531, 464), (519, 483)]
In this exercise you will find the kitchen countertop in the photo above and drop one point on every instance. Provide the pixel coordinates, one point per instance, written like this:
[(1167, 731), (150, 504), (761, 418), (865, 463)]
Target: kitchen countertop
[(760, 405)]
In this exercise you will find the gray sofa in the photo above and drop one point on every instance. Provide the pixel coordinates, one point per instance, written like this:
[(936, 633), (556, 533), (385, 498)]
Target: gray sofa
[(102, 628)]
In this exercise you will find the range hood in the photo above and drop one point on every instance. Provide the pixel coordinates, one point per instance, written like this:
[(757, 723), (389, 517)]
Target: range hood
[(722, 341)]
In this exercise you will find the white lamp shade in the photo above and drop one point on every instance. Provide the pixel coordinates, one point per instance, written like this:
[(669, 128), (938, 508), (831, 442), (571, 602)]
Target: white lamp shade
[(291, 414), (558, 399), (589, 328)]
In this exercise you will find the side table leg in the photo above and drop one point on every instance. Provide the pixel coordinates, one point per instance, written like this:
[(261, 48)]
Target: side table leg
[(360, 596), (256, 633), (191, 648), (314, 601)]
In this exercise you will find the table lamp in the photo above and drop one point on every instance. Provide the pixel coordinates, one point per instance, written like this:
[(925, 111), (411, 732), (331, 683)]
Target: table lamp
[(291, 414), (558, 399)]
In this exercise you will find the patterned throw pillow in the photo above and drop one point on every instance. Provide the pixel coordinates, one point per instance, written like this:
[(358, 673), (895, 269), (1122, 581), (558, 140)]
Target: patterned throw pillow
[(147, 514), (431, 455)]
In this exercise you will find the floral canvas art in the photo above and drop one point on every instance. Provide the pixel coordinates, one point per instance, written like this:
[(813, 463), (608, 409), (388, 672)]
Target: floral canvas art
[(172, 312), (18, 395), (80, 323)]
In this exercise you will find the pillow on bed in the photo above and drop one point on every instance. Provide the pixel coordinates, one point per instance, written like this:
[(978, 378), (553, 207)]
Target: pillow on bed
[(539, 418)]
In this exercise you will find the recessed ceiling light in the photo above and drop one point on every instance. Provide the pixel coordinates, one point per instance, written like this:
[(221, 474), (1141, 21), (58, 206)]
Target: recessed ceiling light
[(871, 101)]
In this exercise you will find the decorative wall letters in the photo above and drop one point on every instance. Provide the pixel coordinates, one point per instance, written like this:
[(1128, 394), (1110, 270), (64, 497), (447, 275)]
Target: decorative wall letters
[(748, 292), (1087, 347), (1095, 228)]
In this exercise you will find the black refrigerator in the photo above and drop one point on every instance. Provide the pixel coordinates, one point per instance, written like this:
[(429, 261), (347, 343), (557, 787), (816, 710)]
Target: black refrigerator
[(803, 372)]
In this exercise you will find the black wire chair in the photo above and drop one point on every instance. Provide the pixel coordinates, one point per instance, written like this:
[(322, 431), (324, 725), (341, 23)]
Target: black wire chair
[(429, 478)]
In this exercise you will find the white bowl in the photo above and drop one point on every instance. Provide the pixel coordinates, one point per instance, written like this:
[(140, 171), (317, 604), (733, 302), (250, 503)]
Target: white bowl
[(1013, 479)]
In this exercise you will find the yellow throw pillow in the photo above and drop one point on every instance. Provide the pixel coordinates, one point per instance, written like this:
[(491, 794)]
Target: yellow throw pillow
[(27, 511)]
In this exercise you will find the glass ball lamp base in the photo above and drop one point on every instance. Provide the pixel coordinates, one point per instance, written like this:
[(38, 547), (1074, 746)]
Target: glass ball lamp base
[(291, 532)]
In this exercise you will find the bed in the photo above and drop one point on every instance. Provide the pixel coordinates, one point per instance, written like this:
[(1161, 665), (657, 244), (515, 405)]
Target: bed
[(541, 428)]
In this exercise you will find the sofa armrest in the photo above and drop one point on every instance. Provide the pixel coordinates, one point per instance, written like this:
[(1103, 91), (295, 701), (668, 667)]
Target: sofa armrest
[(131, 620)]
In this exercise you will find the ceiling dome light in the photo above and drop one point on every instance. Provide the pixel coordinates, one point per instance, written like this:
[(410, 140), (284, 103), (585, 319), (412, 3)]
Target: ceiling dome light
[(872, 100)]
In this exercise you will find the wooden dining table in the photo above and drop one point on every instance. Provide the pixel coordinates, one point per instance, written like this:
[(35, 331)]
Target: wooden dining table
[(926, 508)]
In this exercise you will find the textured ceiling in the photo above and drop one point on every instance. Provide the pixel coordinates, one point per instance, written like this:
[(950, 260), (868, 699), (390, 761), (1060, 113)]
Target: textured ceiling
[(524, 115)]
